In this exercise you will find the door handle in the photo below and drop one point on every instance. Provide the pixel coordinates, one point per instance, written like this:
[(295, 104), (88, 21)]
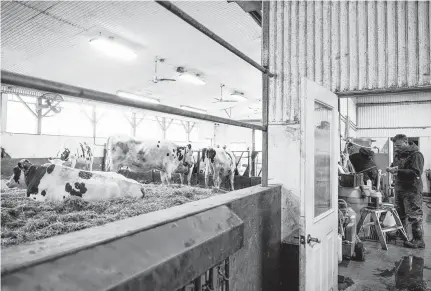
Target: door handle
[(312, 239)]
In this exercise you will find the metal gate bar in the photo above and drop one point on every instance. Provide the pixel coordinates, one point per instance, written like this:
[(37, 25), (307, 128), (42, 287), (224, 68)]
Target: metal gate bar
[(199, 26), (75, 91)]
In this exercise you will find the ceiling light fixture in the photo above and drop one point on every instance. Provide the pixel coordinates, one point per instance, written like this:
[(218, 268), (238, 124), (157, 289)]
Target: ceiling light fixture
[(112, 48), (190, 77), (132, 96), (189, 108), (238, 95)]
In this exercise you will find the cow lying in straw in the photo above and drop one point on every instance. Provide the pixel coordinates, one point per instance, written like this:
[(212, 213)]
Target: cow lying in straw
[(49, 182)]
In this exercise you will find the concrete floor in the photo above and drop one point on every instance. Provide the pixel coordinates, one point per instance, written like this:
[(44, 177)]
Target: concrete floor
[(397, 269)]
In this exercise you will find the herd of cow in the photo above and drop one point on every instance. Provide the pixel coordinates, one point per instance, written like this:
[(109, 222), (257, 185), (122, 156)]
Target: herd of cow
[(55, 181)]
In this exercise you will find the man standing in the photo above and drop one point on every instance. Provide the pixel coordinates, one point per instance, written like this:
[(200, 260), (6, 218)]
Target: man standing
[(407, 168)]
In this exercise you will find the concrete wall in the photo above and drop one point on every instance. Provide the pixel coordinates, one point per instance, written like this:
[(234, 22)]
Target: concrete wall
[(255, 266)]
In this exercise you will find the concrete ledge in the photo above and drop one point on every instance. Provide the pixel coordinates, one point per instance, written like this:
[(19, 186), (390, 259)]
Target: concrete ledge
[(26, 255), (138, 262)]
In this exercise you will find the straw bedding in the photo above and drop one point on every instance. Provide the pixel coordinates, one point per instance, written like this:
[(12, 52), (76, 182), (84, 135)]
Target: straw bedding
[(24, 220)]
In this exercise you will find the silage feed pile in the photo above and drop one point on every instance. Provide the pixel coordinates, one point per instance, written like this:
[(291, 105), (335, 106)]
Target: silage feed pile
[(24, 220)]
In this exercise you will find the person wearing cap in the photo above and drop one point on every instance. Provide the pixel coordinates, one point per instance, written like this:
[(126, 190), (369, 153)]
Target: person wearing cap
[(407, 169), (363, 162)]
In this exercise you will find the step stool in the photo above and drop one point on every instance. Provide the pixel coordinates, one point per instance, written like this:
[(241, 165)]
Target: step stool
[(376, 214)]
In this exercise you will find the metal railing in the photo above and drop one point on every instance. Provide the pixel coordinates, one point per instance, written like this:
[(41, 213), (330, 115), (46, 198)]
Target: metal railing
[(215, 279)]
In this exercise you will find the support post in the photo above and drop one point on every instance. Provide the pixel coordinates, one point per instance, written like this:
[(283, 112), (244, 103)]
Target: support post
[(134, 125), (39, 116), (3, 110), (94, 123), (164, 127), (284, 150), (253, 149), (188, 128), (265, 90)]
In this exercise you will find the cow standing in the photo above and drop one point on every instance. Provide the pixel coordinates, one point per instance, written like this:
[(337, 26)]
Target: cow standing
[(80, 153), (221, 162), (50, 182), (146, 155)]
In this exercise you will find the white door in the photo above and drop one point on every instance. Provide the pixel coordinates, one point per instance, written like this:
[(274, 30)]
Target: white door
[(319, 186)]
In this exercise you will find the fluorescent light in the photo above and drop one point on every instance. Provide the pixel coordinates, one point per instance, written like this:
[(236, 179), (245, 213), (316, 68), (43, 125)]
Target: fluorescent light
[(191, 78), (193, 109), (112, 48), (238, 95), (137, 97)]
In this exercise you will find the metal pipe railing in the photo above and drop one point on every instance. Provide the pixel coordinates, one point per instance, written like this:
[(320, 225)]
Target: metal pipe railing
[(199, 26), (61, 88)]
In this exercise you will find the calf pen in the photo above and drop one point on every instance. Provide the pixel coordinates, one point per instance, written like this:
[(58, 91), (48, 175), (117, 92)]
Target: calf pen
[(226, 242)]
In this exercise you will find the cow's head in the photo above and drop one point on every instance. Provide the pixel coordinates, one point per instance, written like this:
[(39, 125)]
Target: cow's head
[(17, 180), (65, 155), (211, 153), (37, 185), (188, 159)]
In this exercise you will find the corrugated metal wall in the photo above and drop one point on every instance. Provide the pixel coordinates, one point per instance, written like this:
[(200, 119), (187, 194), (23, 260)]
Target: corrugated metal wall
[(346, 46), (387, 115)]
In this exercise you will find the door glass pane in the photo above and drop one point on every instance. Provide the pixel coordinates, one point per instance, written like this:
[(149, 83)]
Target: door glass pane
[(322, 159)]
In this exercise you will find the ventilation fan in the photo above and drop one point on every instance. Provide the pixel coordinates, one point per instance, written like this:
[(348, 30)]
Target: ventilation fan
[(221, 100), (156, 79), (50, 101)]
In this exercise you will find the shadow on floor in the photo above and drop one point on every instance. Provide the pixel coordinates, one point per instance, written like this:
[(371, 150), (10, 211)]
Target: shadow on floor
[(397, 269)]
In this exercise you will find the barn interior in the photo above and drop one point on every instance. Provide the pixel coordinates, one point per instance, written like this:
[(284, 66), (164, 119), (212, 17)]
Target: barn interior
[(251, 238)]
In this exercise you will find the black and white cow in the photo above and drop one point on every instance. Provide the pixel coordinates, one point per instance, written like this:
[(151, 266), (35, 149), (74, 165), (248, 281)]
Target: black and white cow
[(221, 163), (141, 155), (77, 154), (50, 182)]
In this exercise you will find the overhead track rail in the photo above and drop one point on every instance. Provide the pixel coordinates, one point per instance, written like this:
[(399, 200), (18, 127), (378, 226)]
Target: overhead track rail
[(199, 26), (10, 78)]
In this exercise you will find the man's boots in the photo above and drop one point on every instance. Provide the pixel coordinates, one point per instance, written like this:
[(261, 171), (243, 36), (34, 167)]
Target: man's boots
[(418, 237)]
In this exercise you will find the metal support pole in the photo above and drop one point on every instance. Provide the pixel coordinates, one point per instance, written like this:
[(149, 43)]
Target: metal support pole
[(74, 91), (265, 90), (94, 123), (39, 116), (134, 124), (253, 149), (164, 127), (190, 20), (3, 110), (188, 131)]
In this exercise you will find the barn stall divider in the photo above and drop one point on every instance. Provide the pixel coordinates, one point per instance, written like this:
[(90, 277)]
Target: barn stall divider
[(226, 242)]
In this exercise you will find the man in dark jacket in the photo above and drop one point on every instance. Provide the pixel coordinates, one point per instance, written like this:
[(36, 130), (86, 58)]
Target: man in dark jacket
[(363, 162), (407, 168)]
